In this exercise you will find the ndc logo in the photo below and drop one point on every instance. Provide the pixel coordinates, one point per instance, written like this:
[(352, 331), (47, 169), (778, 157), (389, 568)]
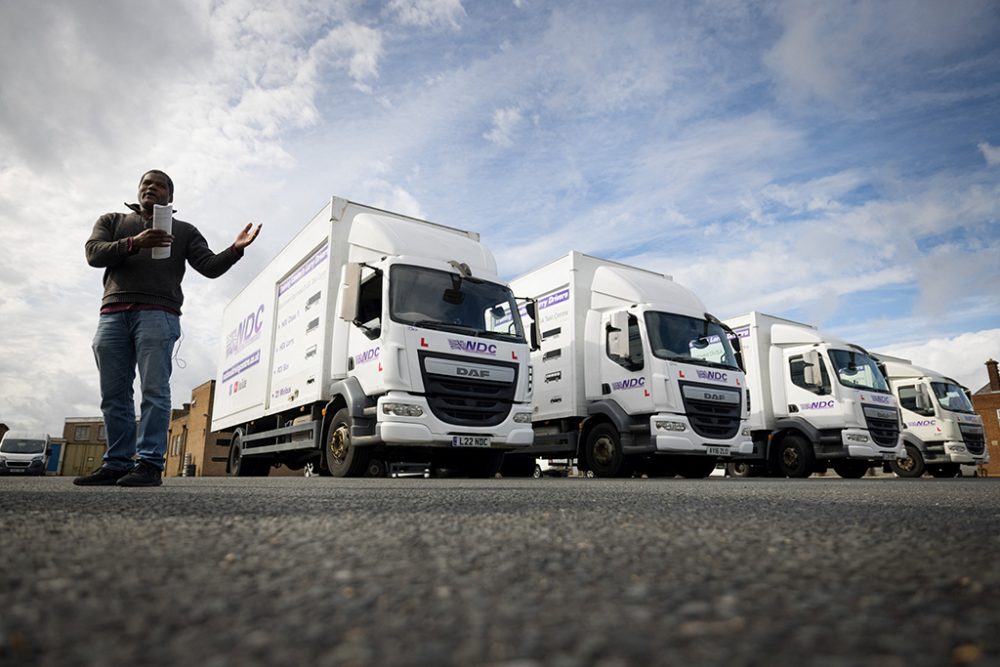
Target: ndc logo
[(472, 346), (880, 398), (367, 355), (632, 383), (923, 422), (817, 405), (717, 376)]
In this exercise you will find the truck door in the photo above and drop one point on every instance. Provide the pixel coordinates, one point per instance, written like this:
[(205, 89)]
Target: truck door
[(623, 368), (365, 338), (808, 389)]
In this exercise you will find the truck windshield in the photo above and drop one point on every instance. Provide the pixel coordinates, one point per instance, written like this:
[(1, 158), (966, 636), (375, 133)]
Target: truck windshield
[(21, 446), (858, 370), (443, 300), (951, 397), (683, 338)]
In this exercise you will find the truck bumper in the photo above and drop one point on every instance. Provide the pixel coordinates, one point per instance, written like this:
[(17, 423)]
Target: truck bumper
[(428, 430), (686, 441), (957, 452), (859, 445)]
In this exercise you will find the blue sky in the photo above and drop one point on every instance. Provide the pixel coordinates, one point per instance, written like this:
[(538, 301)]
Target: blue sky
[(834, 163)]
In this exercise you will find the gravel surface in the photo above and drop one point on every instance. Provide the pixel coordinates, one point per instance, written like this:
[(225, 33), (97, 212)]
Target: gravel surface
[(518, 573)]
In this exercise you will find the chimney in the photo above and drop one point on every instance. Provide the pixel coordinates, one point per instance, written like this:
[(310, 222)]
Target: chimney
[(991, 369)]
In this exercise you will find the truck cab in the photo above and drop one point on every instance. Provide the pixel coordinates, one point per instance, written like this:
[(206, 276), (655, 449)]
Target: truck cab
[(942, 430), (816, 401)]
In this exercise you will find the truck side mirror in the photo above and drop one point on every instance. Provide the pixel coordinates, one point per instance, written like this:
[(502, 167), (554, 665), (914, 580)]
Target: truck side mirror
[(618, 334), (535, 337), (811, 370), (350, 288)]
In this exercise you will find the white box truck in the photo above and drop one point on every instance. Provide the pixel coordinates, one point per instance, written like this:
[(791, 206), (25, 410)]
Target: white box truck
[(815, 402), (24, 453), (374, 337), (941, 428), (632, 374)]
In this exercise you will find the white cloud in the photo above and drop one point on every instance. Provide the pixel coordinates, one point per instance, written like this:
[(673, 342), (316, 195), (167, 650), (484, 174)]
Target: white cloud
[(962, 358), (428, 13), (991, 153), (505, 122)]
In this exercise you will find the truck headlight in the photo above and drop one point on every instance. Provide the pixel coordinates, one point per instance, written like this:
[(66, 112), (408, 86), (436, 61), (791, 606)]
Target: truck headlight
[(664, 425), (402, 410), (745, 432), (857, 437), (522, 417)]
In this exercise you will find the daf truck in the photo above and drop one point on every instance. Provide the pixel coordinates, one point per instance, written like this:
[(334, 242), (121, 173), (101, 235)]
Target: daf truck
[(941, 428), (374, 337), (816, 402), (632, 374)]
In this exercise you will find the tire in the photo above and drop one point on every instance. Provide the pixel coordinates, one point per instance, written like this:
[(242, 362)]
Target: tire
[(343, 459), (742, 469), (946, 470), (604, 452), (537, 472), (850, 468), (518, 465), (376, 468), (696, 467), (911, 466), (795, 457), (245, 466)]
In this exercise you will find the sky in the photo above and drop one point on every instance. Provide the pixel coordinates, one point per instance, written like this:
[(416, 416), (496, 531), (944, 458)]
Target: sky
[(832, 163)]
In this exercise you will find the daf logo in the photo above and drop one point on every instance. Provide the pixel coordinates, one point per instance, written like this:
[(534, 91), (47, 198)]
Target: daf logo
[(714, 397), (472, 372)]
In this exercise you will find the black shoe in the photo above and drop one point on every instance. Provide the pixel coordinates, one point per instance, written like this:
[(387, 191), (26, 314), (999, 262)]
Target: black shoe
[(101, 477), (143, 474)]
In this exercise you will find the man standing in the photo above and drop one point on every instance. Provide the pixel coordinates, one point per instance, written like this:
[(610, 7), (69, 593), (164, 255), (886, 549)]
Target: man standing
[(140, 322)]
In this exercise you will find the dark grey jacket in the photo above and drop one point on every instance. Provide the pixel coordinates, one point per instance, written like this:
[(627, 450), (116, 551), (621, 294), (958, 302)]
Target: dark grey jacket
[(138, 278)]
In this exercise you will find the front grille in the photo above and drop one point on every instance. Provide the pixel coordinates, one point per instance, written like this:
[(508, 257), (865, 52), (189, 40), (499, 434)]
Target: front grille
[(714, 420), (467, 401), (974, 438), (884, 431)]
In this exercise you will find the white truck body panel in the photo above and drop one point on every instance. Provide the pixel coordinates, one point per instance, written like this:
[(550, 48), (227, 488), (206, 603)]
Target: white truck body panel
[(284, 346), (575, 295), (770, 345), (948, 428)]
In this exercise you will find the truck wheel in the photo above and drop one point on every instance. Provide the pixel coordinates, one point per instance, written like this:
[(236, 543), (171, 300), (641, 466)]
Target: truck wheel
[(537, 472), (742, 469), (376, 468), (795, 457), (850, 468), (604, 452), (911, 466), (696, 467), (246, 466), (343, 459)]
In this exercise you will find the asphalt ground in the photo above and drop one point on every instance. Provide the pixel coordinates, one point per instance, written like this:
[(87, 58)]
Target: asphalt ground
[(518, 573)]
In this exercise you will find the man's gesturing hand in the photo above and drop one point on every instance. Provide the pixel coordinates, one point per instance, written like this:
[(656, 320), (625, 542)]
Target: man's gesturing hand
[(246, 237)]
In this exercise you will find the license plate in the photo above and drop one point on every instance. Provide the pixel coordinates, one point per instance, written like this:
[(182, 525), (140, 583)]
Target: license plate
[(717, 451), (889, 456), (471, 441)]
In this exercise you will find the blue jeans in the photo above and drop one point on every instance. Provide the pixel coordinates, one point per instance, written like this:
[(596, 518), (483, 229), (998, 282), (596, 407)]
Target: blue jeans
[(124, 341)]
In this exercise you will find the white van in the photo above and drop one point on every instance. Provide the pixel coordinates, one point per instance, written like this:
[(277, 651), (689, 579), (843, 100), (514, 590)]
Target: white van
[(24, 453)]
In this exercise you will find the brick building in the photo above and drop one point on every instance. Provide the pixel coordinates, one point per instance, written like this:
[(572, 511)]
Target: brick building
[(191, 443), (987, 404)]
